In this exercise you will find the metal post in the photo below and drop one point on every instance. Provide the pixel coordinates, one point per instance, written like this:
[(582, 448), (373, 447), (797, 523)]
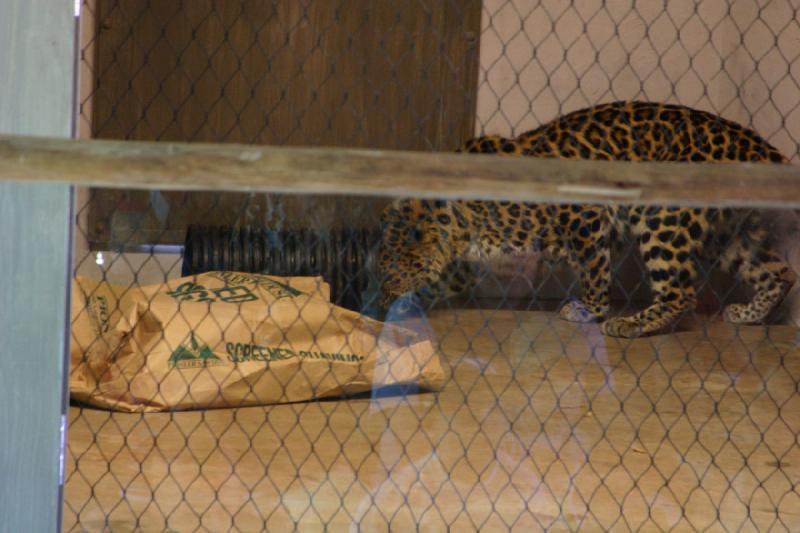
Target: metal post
[(36, 98)]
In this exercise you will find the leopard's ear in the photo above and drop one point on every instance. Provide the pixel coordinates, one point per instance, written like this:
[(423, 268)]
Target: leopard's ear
[(392, 210), (388, 214)]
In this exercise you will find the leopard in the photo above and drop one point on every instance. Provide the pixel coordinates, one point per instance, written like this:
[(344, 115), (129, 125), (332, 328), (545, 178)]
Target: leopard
[(424, 241)]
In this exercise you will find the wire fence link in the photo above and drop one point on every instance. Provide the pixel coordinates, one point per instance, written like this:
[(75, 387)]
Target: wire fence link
[(235, 368)]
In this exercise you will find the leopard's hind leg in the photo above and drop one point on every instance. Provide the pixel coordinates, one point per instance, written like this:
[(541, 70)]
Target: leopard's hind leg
[(751, 259), (669, 256)]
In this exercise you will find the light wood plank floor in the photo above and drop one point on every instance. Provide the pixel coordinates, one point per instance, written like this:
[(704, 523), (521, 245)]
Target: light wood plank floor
[(543, 425)]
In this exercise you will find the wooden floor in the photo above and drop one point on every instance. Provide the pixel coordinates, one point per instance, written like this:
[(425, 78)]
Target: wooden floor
[(544, 425)]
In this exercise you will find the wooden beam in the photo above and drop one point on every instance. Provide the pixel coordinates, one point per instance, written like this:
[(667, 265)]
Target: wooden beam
[(230, 167)]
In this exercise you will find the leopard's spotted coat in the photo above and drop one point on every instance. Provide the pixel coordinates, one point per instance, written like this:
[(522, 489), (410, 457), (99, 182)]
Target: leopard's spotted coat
[(423, 238)]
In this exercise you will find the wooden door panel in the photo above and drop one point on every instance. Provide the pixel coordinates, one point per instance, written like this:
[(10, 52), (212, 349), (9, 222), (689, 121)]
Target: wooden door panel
[(358, 73)]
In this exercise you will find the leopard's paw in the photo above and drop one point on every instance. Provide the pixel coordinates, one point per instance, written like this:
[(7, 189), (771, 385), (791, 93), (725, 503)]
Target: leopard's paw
[(576, 311), (622, 326), (741, 314)]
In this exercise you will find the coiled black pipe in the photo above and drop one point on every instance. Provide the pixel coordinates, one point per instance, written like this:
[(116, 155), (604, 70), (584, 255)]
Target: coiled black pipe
[(344, 258)]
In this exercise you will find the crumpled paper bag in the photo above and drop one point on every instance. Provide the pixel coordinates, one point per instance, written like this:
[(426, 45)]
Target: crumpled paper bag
[(230, 339)]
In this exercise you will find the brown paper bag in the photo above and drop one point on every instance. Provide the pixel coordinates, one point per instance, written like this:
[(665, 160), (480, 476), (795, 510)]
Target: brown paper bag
[(229, 339)]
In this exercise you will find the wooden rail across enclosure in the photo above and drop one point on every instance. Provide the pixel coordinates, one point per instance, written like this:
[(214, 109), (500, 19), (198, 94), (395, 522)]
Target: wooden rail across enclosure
[(230, 167)]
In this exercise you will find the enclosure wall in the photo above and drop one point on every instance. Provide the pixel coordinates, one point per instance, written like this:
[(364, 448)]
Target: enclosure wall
[(542, 58)]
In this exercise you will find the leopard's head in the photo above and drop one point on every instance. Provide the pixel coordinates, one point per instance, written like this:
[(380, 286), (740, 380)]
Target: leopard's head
[(413, 248)]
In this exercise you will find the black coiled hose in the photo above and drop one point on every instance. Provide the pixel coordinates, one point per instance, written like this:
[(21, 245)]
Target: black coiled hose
[(344, 258)]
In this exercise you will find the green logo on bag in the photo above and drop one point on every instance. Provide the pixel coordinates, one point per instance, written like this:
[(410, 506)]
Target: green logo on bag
[(275, 288), (195, 356)]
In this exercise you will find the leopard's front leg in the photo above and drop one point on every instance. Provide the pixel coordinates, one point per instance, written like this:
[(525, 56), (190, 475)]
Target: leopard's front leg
[(591, 261)]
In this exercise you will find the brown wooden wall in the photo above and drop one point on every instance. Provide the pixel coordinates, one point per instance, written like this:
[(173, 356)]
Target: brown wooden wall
[(358, 73)]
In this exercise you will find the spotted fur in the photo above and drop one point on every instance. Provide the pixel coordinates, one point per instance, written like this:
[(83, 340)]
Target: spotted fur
[(424, 240)]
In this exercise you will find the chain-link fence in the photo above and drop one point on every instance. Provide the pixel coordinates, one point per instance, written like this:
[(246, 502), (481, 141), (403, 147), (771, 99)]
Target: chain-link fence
[(236, 364)]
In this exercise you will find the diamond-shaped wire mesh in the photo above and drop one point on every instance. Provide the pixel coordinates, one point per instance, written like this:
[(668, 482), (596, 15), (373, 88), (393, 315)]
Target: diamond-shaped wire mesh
[(540, 423)]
